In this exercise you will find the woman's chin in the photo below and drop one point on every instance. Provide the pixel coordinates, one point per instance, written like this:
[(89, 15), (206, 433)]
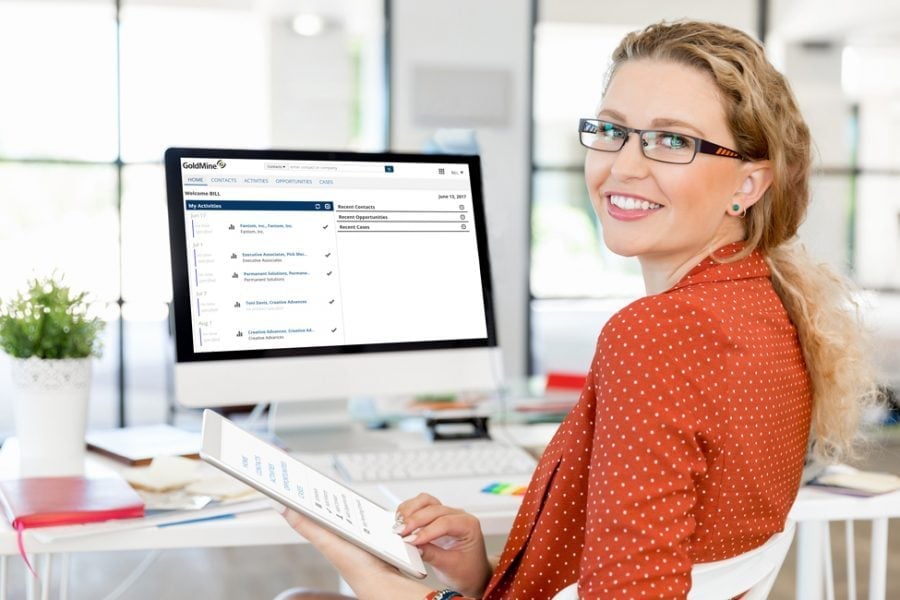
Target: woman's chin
[(621, 247)]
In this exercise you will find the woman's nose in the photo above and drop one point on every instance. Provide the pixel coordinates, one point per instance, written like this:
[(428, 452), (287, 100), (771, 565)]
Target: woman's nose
[(630, 162)]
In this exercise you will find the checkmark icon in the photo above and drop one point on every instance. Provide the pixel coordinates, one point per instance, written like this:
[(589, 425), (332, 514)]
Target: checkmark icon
[(327, 255), (333, 330), (325, 227), (331, 301), (329, 273)]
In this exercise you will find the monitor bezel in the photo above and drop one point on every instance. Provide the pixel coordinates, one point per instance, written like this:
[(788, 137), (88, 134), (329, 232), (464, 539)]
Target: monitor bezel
[(182, 323)]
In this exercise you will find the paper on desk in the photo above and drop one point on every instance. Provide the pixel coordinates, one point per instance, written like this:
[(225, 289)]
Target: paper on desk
[(221, 487), (164, 473), (865, 482)]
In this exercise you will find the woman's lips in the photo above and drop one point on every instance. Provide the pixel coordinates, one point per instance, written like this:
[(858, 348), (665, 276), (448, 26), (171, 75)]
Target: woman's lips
[(629, 208)]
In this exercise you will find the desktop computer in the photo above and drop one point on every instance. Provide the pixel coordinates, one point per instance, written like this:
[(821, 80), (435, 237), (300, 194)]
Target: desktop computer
[(301, 277)]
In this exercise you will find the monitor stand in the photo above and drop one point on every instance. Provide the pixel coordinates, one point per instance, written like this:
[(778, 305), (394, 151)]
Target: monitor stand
[(324, 426), (309, 415)]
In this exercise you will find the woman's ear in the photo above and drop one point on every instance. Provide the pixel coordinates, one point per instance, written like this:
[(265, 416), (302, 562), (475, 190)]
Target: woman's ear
[(757, 179)]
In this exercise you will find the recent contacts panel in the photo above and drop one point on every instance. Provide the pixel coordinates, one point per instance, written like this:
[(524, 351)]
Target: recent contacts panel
[(292, 254)]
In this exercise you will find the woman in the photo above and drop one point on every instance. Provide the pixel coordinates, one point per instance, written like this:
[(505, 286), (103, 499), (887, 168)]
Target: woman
[(689, 439)]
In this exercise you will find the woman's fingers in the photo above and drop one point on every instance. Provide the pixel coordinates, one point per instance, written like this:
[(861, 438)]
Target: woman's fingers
[(425, 515), (408, 507), (462, 527)]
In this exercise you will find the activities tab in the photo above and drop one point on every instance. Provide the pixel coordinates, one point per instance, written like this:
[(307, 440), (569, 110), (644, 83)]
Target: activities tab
[(274, 205)]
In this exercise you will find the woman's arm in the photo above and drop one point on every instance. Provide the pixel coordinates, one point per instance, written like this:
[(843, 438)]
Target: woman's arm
[(646, 453)]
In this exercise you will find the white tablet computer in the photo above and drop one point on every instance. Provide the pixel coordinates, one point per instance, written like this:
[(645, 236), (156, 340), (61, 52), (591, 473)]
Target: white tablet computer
[(296, 485)]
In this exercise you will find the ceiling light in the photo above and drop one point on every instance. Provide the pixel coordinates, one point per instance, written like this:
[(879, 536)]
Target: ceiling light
[(308, 25)]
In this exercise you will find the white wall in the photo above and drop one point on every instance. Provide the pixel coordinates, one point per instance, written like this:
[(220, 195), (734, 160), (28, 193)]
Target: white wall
[(489, 42), (311, 87), (736, 13)]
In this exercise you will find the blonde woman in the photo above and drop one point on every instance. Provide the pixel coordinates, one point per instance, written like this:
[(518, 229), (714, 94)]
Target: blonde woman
[(688, 442)]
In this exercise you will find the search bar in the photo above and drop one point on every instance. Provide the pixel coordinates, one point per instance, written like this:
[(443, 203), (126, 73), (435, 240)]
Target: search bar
[(328, 167)]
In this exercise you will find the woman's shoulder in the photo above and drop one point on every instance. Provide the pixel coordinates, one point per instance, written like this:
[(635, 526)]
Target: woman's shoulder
[(654, 320), (660, 307)]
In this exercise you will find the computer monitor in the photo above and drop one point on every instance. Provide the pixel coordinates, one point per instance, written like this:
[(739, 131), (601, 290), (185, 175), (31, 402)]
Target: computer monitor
[(326, 275)]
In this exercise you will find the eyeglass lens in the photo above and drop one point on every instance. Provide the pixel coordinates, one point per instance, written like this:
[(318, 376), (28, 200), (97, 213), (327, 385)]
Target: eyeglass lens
[(664, 146)]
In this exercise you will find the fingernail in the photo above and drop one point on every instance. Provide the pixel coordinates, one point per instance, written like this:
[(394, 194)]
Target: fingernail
[(410, 538), (399, 523)]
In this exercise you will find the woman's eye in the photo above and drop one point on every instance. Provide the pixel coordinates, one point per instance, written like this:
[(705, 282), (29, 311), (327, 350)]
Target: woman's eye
[(675, 141)]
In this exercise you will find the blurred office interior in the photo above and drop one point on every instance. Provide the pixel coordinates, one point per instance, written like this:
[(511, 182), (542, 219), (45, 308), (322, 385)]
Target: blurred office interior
[(95, 90)]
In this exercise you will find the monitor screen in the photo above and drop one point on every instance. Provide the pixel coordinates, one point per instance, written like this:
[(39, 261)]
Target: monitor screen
[(316, 275)]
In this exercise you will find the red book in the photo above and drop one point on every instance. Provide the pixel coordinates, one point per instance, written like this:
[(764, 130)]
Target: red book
[(559, 381), (46, 501)]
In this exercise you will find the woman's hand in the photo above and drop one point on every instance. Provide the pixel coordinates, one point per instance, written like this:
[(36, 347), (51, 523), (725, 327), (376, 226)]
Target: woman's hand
[(450, 541), (368, 576)]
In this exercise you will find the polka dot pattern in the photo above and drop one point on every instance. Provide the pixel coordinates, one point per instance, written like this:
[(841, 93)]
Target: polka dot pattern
[(686, 446)]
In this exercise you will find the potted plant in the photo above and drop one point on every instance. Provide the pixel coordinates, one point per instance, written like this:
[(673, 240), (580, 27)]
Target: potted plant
[(51, 339)]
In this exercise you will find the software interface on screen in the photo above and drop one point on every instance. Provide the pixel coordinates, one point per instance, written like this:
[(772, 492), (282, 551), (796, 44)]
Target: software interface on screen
[(306, 253)]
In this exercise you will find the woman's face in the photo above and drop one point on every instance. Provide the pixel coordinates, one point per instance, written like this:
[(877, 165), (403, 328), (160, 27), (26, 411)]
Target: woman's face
[(659, 211)]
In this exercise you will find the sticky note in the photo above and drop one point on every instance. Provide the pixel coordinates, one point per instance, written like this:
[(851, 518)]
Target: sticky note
[(505, 489)]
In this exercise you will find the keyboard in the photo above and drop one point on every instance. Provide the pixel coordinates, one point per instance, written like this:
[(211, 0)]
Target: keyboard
[(439, 461)]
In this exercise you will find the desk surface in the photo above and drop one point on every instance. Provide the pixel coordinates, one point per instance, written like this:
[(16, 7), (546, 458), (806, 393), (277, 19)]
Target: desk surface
[(249, 529), (268, 528)]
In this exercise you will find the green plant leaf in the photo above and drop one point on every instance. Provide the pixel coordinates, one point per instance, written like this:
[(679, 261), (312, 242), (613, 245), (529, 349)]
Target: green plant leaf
[(49, 321)]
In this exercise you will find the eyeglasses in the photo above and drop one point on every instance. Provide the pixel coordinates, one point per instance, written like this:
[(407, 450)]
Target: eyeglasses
[(662, 146)]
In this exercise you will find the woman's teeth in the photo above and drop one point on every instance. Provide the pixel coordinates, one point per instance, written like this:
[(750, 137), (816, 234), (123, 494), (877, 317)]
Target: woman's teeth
[(629, 203)]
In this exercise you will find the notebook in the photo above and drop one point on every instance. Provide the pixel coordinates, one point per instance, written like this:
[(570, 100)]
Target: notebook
[(139, 445), (46, 501)]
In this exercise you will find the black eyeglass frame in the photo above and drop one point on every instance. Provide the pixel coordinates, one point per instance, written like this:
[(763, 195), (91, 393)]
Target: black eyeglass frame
[(700, 145)]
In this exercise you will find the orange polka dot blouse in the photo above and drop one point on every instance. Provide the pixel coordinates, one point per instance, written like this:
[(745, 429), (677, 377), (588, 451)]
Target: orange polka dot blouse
[(686, 446)]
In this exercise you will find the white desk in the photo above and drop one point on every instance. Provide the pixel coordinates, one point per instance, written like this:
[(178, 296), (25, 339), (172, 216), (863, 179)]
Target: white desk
[(250, 529), (813, 510)]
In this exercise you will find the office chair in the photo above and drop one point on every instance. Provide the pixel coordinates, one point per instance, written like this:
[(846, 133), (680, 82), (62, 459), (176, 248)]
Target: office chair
[(751, 573)]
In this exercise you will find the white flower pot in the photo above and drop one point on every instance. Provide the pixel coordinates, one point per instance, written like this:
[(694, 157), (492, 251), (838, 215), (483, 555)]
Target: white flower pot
[(50, 407)]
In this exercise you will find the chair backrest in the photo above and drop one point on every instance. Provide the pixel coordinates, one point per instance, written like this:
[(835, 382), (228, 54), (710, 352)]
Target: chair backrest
[(752, 572)]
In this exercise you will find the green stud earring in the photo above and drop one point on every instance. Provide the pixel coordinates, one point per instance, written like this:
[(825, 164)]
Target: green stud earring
[(736, 207)]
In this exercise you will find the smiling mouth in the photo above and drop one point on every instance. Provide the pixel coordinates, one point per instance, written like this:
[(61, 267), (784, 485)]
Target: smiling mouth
[(629, 203)]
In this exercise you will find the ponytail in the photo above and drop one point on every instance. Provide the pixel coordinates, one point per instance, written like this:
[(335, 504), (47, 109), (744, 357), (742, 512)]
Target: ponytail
[(822, 306)]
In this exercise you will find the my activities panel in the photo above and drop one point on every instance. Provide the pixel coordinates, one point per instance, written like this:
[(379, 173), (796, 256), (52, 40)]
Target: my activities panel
[(288, 254)]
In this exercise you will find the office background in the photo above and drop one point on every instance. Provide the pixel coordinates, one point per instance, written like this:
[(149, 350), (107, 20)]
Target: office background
[(95, 90)]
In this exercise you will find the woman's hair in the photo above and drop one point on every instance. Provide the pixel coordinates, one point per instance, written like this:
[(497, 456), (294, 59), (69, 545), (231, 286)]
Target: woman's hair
[(766, 123)]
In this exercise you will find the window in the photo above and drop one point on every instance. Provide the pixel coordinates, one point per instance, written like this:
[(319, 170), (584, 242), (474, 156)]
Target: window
[(568, 258), (854, 219), (576, 282), (99, 90)]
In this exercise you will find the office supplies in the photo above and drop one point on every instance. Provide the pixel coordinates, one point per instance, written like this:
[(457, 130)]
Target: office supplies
[(165, 473), (295, 485), (316, 276), (468, 427), (505, 489), (139, 445), (844, 479), (466, 493), (45, 501), (164, 518)]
